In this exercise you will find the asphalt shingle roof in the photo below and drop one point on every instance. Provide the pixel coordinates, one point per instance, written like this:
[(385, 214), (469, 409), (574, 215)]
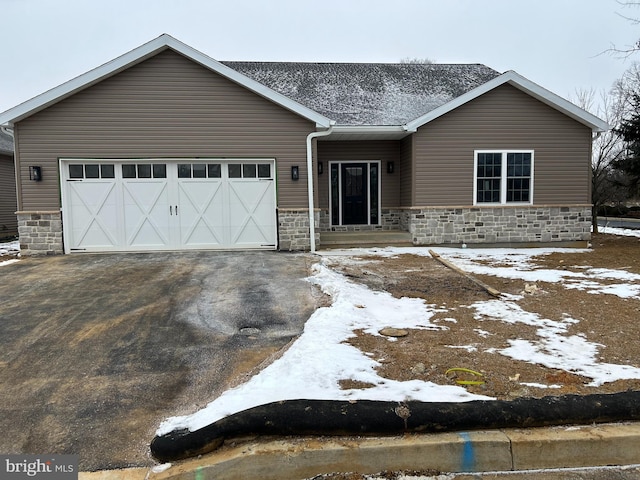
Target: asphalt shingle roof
[(368, 94), (6, 143)]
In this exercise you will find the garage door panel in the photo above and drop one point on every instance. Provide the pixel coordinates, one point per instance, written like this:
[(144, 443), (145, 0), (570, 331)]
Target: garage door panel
[(95, 214), (202, 218), (252, 210), (146, 214)]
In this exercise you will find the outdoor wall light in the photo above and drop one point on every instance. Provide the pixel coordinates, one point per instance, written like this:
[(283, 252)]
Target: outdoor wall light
[(390, 167), (35, 173), (319, 168), (295, 172)]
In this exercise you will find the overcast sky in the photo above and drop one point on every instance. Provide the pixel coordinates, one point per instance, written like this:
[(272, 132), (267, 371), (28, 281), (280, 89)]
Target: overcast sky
[(555, 43)]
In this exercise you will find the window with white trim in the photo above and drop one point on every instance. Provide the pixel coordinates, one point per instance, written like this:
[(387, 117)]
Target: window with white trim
[(503, 176)]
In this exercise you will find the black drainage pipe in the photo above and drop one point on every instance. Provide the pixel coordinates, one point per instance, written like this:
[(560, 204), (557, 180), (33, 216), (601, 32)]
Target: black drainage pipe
[(366, 417)]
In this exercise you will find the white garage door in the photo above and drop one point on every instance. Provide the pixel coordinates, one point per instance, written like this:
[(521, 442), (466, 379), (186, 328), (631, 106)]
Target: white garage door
[(134, 205)]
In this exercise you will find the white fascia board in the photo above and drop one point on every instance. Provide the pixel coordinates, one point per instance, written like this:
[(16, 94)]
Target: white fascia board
[(140, 54), (527, 86), (372, 129)]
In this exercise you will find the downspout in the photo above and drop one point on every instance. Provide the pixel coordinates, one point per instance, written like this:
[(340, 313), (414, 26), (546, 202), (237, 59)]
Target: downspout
[(310, 137), (7, 130)]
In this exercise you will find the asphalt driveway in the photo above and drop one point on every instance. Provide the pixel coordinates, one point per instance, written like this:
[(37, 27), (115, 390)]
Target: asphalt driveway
[(96, 350)]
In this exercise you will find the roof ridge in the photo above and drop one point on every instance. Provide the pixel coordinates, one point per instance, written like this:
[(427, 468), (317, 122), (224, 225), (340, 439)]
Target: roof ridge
[(306, 62)]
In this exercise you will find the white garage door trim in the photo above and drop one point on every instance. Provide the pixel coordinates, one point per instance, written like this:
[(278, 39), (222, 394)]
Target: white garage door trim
[(111, 205)]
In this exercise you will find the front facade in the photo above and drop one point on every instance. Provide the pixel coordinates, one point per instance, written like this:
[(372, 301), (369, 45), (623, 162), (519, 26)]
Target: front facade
[(166, 149)]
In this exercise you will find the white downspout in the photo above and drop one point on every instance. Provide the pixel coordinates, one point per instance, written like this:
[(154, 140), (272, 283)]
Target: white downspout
[(7, 130), (312, 227)]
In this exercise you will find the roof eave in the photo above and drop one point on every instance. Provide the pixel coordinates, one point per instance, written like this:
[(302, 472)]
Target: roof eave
[(373, 132), (521, 83), (140, 54)]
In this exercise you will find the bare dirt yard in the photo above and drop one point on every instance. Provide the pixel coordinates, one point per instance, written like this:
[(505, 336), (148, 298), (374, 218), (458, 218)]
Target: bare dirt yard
[(609, 321)]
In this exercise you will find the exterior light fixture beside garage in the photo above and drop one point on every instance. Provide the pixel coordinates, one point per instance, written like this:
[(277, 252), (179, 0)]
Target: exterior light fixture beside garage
[(35, 173)]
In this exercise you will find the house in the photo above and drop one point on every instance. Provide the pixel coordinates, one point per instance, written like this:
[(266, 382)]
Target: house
[(165, 148), (8, 219)]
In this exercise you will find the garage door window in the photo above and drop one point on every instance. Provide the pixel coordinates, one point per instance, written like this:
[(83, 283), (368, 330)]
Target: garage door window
[(249, 170), (214, 170), (199, 170), (144, 170), (91, 170)]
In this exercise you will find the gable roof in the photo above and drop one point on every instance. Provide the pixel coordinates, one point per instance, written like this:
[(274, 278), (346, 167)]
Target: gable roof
[(368, 94), (389, 100), (140, 54), (521, 83)]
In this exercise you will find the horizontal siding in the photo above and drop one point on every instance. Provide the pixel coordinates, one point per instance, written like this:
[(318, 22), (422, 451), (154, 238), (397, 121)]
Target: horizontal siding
[(406, 171), (166, 106), (382, 150), (8, 205), (504, 118)]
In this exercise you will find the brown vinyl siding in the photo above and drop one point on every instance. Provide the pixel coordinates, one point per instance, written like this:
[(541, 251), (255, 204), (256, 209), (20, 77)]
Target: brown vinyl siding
[(164, 107), (356, 151), (8, 205), (406, 171), (504, 118)]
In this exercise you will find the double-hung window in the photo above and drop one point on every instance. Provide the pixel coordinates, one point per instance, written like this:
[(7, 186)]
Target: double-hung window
[(503, 177)]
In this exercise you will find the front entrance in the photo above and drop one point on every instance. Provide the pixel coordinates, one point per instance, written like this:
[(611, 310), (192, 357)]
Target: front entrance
[(354, 193)]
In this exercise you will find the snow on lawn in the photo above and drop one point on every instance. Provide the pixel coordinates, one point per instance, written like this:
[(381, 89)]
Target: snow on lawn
[(519, 264), (626, 232), (314, 365), (554, 349)]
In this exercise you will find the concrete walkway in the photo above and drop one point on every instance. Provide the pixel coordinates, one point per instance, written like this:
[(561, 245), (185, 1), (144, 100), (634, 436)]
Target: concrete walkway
[(509, 453)]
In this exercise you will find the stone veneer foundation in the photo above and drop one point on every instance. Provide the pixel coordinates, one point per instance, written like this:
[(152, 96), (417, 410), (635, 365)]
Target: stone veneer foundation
[(293, 229), (40, 233), (475, 225), (517, 224)]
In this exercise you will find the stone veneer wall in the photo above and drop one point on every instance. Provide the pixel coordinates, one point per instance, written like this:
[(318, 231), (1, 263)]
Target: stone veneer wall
[(505, 224), (40, 233), (391, 219), (293, 229), (541, 224)]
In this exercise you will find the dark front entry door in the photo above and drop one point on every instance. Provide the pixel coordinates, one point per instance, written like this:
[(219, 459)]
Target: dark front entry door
[(354, 193)]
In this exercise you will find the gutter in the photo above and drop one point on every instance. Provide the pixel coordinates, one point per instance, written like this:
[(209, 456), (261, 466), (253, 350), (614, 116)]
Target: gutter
[(312, 227)]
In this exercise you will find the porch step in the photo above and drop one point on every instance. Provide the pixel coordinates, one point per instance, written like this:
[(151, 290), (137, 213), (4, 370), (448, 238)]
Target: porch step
[(366, 239)]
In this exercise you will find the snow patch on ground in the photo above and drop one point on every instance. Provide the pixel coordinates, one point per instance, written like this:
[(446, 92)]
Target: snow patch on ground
[(314, 365), (9, 248), (625, 232), (553, 349)]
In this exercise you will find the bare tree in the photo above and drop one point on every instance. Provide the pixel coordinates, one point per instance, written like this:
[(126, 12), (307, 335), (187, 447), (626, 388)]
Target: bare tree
[(414, 60), (607, 147), (627, 50)]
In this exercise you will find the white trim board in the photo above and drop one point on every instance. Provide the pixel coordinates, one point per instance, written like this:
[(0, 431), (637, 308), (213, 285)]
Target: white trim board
[(527, 86)]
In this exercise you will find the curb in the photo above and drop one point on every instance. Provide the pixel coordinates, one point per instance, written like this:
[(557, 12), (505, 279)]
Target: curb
[(496, 451)]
